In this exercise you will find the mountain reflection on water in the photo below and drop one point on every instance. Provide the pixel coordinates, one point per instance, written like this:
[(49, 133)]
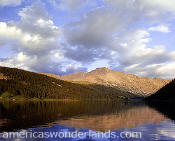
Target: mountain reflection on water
[(84, 116)]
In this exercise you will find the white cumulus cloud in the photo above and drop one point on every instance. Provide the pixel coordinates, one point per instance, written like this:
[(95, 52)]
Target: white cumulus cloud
[(160, 28), (115, 34), (10, 2)]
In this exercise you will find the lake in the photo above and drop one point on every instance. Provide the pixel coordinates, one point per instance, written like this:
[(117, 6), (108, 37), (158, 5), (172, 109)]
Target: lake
[(86, 121)]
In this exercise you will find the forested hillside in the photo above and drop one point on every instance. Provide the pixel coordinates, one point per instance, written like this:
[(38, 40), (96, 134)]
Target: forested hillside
[(18, 82)]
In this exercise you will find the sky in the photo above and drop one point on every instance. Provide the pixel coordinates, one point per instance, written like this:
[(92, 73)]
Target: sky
[(69, 36)]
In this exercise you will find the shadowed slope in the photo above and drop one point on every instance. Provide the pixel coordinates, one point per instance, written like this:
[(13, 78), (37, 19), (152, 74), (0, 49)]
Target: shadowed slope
[(167, 93), (163, 100)]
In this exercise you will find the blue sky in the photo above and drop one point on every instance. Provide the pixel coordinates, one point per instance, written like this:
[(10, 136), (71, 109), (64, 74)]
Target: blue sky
[(68, 36)]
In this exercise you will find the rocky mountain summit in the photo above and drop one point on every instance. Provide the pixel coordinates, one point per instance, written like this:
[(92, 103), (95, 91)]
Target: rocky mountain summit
[(142, 86)]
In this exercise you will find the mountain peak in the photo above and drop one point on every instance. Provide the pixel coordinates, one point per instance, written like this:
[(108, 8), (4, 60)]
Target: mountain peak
[(126, 82), (102, 70)]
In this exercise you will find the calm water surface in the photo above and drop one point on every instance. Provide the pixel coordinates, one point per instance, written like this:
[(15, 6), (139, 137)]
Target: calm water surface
[(142, 122)]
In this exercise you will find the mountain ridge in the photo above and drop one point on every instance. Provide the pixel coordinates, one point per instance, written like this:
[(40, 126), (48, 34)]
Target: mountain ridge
[(143, 86), (20, 83)]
